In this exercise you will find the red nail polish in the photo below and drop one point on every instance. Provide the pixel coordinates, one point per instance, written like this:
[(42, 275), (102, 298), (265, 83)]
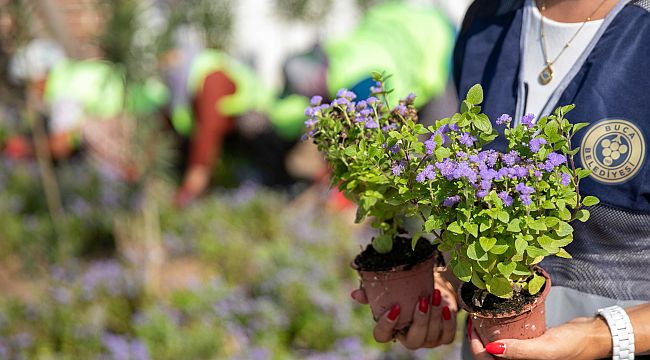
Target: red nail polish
[(446, 314), (436, 299), (423, 306), (495, 348), (394, 312), (469, 328)]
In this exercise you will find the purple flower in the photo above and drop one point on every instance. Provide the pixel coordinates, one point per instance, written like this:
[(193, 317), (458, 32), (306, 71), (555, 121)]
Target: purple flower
[(362, 105), (347, 94), (474, 159), (454, 127), (538, 174), (566, 179), (467, 139), (311, 122), (536, 144), (510, 158), (451, 201), (394, 149), (556, 159), (507, 199), (389, 127), (446, 168), (520, 171), (430, 145), (525, 199), (492, 157), (461, 154), (410, 98), (503, 119), (371, 124), (401, 109), (427, 173), (486, 184), (464, 170), (398, 168), (523, 189), (372, 100), (527, 120), (488, 174), (481, 194), (316, 100)]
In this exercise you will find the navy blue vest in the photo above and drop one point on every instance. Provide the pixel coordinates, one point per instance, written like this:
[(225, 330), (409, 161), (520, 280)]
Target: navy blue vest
[(611, 91)]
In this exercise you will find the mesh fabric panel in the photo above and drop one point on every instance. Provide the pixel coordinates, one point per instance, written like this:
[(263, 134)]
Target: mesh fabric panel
[(611, 256)]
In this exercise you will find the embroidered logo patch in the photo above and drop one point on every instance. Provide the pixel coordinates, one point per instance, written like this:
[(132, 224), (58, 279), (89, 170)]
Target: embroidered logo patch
[(614, 151)]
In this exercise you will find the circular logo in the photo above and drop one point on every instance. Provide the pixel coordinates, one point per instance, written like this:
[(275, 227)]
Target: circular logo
[(614, 151)]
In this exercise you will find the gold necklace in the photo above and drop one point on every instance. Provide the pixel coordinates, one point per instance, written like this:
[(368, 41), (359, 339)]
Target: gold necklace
[(546, 75)]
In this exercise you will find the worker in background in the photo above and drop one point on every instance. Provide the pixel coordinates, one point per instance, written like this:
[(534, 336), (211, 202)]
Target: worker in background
[(73, 93), (214, 96)]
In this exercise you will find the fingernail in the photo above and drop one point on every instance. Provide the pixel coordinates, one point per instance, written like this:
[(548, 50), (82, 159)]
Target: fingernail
[(436, 299), (469, 328), (495, 348), (394, 312), (423, 305), (446, 314)]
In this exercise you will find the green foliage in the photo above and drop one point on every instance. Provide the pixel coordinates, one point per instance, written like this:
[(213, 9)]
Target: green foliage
[(499, 214)]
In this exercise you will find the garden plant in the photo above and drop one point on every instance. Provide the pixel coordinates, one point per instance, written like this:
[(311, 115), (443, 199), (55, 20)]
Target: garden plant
[(498, 213)]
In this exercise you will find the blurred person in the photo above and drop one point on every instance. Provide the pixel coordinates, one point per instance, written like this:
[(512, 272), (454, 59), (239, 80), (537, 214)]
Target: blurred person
[(74, 93), (214, 98)]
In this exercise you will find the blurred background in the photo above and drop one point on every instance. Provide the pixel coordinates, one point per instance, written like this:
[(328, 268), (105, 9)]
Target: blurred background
[(156, 199)]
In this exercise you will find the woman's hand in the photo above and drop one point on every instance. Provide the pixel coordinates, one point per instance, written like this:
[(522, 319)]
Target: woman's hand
[(579, 339), (434, 318)]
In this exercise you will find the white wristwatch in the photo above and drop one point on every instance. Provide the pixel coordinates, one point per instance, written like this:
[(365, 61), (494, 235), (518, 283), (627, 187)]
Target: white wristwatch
[(622, 334)]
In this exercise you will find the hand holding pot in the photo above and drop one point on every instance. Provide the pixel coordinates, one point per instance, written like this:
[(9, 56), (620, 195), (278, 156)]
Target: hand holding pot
[(434, 318), (579, 339)]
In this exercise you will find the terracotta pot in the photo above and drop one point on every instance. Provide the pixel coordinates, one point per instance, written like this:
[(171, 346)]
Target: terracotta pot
[(528, 323), (401, 285)]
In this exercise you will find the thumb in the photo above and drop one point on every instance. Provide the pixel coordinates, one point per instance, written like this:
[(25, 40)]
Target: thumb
[(517, 349)]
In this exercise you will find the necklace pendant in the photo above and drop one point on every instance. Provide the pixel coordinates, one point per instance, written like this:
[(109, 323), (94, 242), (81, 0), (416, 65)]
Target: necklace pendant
[(546, 75)]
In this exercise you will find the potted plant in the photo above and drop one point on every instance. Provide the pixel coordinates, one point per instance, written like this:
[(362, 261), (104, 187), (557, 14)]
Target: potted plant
[(501, 213), (374, 152)]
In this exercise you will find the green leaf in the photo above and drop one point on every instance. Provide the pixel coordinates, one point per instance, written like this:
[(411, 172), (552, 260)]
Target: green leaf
[(414, 239), (487, 243), (564, 229), (539, 225), (442, 153), (475, 94), (499, 249), (462, 269), (506, 269), (475, 252), (548, 205), (551, 129), (432, 223), (351, 151), (535, 284), (503, 216), (582, 215), (520, 245), (564, 254), (499, 286), (590, 201), (522, 270), (548, 244), (551, 221), (566, 108), (577, 127), (477, 281), (583, 173), (455, 228), (514, 226), (482, 123), (472, 229), (535, 252), (383, 243), (564, 214)]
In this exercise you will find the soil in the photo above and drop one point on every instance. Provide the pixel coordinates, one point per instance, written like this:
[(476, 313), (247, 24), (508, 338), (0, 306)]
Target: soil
[(494, 305), (402, 254)]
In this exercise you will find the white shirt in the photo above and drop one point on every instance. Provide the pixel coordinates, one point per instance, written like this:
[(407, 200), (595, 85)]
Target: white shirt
[(557, 35)]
